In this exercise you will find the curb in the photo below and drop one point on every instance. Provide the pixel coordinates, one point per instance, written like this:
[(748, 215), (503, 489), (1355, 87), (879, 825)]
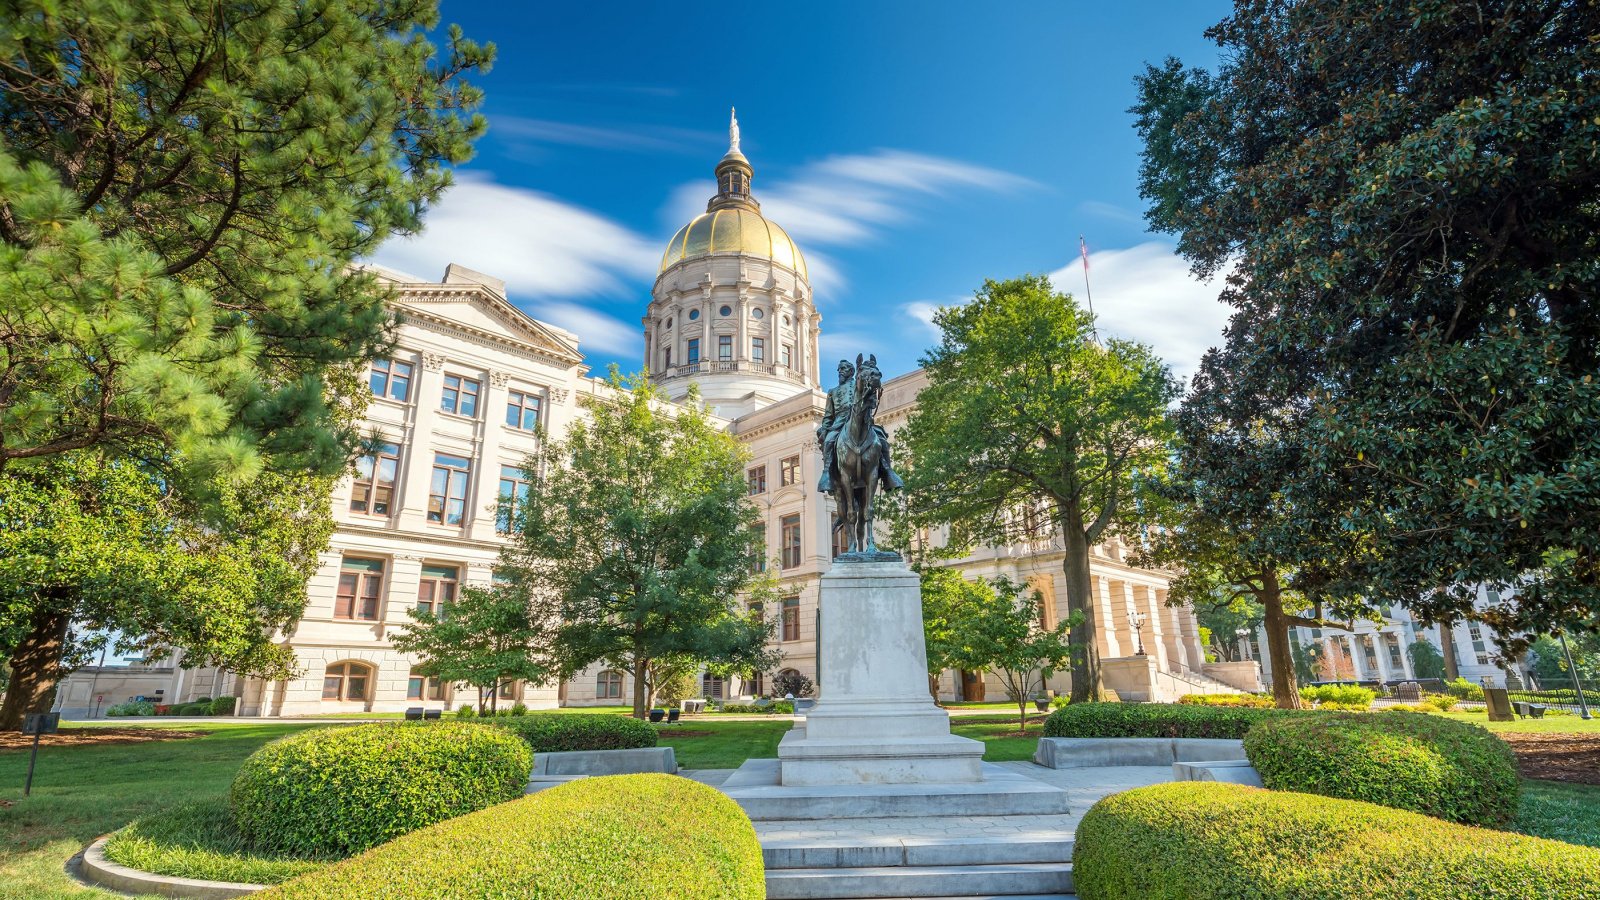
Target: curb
[(101, 871)]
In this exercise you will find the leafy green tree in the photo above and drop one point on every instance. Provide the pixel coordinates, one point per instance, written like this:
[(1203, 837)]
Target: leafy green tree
[(997, 626), (1550, 664), (91, 544), (1426, 660), (640, 541), (1403, 199), (1026, 409), (183, 189), (488, 636)]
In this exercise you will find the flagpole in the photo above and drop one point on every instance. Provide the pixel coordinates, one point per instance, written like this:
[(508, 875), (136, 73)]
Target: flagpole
[(1083, 250)]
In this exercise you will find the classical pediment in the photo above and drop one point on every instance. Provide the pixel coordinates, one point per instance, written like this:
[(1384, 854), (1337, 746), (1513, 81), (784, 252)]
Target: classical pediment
[(479, 311)]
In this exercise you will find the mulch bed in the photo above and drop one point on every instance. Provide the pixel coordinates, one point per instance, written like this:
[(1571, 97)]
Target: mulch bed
[(1557, 757), (87, 737)]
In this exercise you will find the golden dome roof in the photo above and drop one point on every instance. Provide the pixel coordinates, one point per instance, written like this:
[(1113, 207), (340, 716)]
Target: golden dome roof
[(733, 229)]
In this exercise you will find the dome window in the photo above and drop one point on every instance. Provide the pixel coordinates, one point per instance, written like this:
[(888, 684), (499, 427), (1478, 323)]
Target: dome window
[(757, 313), (725, 311), (786, 321), (694, 314)]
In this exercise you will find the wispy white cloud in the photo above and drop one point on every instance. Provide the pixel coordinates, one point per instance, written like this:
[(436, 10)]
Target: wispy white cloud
[(1146, 293), (919, 314), (596, 331), (541, 246), (640, 138), (1109, 211)]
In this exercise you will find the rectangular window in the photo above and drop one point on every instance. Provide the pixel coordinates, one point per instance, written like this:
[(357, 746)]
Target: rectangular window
[(390, 379), (507, 690), (373, 490), (421, 687), (513, 493), (760, 563), (789, 471), (522, 410), (791, 618), (758, 349), (1479, 648), (1396, 661), (447, 500), (791, 540), (841, 541), (725, 347), (666, 358), (758, 480), (360, 586), (460, 396), (694, 351), (787, 356), (437, 589)]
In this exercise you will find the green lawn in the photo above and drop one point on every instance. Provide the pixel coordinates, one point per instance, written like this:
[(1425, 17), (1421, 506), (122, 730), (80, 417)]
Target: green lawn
[(1551, 725), (726, 745), (80, 793), (1563, 812)]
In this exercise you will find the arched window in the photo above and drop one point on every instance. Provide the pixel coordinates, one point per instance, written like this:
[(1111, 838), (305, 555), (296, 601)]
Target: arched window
[(711, 686), (608, 685), (346, 681), (422, 687)]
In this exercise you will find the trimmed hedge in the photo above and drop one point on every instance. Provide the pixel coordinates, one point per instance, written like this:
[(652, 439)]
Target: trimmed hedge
[(1428, 764), (555, 734), (622, 837), (1255, 701), (1159, 720), (1208, 841), (1340, 696), (342, 790)]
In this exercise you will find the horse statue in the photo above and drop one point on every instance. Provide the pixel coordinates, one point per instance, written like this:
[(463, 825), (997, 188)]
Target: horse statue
[(860, 459)]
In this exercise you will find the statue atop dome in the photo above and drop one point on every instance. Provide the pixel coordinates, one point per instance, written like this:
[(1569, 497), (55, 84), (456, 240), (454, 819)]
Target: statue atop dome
[(733, 130)]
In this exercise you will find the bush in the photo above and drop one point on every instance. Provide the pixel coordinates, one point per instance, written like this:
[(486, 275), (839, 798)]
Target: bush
[(1427, 764), (222, 706), (465, 711), (519, 708), (342, 790), (622, 837), (1208, 841), (1159, 720), (1339, 696), (1462, 689), (195, 708), (791, 682), (558, 733), (785, 708), (1256, 701), (132, 708), (1441, 702)]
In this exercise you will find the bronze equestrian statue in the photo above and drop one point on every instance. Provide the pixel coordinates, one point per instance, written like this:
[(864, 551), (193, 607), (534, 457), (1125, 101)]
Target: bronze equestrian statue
[(855, 454)]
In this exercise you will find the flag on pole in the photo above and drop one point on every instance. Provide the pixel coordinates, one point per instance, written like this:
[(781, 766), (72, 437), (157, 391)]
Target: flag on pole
[(1083, 248)]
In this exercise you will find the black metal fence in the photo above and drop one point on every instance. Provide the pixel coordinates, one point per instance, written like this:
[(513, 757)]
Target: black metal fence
[(1559, 693)]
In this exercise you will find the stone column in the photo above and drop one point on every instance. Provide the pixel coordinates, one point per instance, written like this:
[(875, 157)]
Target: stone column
[(1105, 617), (1177, 656), (1191, 639), (1380, 652), (1127, 607), (741, 333), (1155, 632), (416, 463)]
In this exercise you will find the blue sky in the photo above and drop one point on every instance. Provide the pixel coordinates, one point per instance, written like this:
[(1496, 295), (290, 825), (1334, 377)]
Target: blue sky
[(911, 149)]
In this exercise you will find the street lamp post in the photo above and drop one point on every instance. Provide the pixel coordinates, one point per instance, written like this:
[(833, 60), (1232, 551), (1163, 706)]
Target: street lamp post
[(1138, 630), (1583, 705), (1244, 645)]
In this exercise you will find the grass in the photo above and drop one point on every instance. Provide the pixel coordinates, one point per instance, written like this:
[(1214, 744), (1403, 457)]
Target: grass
[(198, 840), (726, 746), (1549, 725), (999, 735), (81, 793), (1560, 811)]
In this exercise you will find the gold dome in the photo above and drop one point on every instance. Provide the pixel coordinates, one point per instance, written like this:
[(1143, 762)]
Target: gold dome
[(733, 229)]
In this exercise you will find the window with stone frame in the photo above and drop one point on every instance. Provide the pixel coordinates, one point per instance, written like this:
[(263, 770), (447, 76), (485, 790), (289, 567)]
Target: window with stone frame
[(786, 356), (759, 563), (725, 348), (1480, 648), (789, 471), (423, 687), (372, 492), (757, 479), (694, 351), (390, 379), (460, 396), (1391, 641), (507, 690), (841, 542), (514, 487), (447, 498), (436, 590), (758, 350), (791, 540), (359, 590), (711, 687), (346, 681), (608, 685), (791, 619), (522, 410)]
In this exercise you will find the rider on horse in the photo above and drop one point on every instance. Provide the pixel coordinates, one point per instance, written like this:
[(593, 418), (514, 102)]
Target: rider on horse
[(835, 415)]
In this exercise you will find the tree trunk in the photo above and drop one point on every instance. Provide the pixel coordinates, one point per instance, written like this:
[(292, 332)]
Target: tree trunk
[(1447, 646), (36, 665), (1086, 684), (641, 702), (1285, 690)]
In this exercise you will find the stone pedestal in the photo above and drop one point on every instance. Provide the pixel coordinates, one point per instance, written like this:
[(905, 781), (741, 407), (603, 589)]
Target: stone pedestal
[(875, 722)]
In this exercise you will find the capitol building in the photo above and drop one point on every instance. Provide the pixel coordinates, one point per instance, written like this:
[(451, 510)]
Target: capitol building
[(459, 404)]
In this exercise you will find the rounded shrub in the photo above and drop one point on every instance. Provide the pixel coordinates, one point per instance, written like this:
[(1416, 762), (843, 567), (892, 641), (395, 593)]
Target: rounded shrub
[(1159, 720), (223, 706), (1424, 763), (558, 733), (342, 790), (1339, 696), (1195, 840), (622, 837)]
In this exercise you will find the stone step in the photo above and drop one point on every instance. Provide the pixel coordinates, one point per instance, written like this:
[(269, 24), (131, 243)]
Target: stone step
[(856, 883), (1002, 793), (864, 852)]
